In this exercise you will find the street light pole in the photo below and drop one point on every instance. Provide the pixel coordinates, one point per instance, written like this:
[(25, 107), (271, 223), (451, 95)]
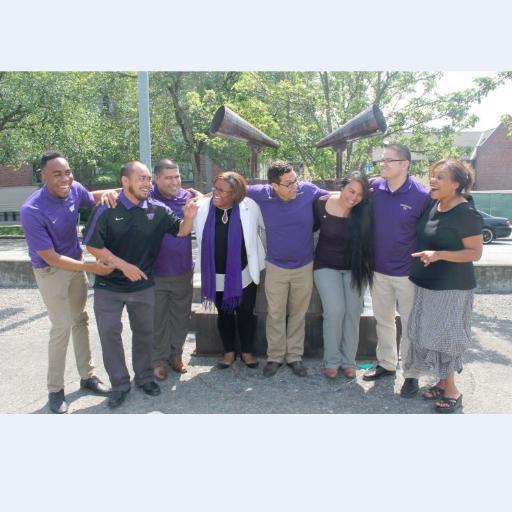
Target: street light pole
[(144, 122)]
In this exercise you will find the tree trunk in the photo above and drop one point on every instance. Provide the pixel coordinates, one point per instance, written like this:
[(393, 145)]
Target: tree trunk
[(185, 124), (324, 77)]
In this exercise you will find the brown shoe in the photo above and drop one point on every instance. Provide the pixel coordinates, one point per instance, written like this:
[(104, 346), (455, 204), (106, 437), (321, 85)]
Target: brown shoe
[(178, 365), (160, 373), (331, 373), (349, 373)]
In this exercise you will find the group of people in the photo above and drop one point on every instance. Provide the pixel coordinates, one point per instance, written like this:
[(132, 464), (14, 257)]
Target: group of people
[(412, 248)]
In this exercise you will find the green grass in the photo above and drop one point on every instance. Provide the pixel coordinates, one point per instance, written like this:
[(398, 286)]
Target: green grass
[(11, 230)]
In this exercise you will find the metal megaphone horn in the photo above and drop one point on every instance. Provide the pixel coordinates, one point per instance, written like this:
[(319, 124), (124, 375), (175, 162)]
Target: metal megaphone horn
[(229, 125), (367, 123)]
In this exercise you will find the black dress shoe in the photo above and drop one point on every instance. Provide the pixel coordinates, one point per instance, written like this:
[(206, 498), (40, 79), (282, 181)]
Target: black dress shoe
[(223, 366), (116, 398), (271, 368), (57, 402), (298, 368), (95, 385), (151, 388), (410, 388), (377, 373), (249, 365)]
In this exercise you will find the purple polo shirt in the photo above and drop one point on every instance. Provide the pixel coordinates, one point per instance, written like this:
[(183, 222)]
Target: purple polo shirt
[(288, 225), (50, 222), (175, 256), (395, 215)]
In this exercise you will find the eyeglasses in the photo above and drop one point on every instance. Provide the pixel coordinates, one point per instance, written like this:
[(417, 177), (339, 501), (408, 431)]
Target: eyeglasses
[(294, 183), (221, 192), (389, 160)]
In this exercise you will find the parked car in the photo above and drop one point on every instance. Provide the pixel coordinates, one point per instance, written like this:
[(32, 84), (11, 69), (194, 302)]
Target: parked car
[(494, 227)]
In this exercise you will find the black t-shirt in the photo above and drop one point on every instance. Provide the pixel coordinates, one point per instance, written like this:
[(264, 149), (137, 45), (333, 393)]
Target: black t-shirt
[(221, 242), (444, 231), (133, 233), (333, 249)]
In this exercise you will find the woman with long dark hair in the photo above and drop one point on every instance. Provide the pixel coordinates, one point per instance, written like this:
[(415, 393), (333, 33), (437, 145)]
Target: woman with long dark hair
[(450, 239), (343, 268)]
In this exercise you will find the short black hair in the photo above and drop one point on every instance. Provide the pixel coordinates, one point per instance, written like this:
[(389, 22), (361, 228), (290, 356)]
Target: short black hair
[(277, 169), (51, 154), (165, 163), (460, 172), (127, 168), (400, 149)]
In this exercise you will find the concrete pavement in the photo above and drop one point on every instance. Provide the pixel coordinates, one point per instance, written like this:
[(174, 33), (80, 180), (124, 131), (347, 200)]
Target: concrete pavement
[(486, 381)]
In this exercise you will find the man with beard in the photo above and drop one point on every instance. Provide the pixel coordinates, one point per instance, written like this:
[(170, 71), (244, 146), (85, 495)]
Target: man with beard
[(129, 237), (173, 271)]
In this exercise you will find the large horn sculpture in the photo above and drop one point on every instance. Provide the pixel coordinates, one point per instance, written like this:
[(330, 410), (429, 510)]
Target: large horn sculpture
[(367, 123), (230, 125)]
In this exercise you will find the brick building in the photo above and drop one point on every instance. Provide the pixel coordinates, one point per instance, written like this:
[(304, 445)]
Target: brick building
[(492, 160), (15, 186), (488, 152)]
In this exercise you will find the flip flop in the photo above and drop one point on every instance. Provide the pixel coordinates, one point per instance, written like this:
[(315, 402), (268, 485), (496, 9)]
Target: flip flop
[(435, 392), (453, 404)]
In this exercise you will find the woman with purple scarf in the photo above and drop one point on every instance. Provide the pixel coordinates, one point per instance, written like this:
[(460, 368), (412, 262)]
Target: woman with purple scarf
[(231, 259)]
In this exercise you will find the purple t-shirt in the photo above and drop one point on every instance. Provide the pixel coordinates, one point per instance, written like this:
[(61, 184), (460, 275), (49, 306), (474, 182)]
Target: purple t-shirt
[(175, 256), (50, 222), (288, 225), (395, 215)]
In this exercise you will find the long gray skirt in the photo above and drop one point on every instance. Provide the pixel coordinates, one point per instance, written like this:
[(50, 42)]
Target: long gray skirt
[(439, 330)]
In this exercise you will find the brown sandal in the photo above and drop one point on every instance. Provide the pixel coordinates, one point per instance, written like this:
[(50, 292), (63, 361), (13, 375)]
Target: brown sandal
[(349, 373), (446, 405), (331, 373), (433, 393)]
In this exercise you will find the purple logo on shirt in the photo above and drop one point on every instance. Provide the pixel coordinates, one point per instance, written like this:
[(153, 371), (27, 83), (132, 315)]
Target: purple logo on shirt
[(150, 216)]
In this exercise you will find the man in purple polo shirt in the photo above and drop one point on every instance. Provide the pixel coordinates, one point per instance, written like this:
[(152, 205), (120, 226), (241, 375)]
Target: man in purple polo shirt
[(49, 218), (287, 209), (398, 203), (173, 272)]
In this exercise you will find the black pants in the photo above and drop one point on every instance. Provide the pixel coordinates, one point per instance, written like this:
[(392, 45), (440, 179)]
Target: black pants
[(242, 318)]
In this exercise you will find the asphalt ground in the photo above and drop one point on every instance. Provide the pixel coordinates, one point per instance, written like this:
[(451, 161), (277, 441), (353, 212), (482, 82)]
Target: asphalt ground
[(486, 381)]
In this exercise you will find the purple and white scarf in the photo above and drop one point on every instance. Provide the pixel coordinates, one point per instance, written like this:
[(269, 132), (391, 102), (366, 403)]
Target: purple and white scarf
[(232, 296)]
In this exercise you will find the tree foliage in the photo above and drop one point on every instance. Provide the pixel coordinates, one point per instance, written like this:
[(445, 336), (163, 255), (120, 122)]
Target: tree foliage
[(93, 119)]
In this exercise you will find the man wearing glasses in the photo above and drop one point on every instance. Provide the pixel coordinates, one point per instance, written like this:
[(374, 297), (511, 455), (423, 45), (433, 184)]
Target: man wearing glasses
[(398, 203), (287, 209)]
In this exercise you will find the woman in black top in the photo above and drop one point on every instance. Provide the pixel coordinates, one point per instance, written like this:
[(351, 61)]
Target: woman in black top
[(342, 269), (450, 239), (227, 228)]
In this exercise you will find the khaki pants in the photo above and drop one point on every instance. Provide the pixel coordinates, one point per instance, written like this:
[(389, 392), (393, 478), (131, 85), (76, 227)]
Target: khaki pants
[(173, 302), (386, 291), (65, 296), (288, 292)]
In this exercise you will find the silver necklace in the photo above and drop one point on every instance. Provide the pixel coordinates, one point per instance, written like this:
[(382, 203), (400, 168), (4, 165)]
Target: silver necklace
[(225, 216)]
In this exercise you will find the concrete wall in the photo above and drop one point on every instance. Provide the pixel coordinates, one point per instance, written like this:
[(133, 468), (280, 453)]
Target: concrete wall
[(11, 198)]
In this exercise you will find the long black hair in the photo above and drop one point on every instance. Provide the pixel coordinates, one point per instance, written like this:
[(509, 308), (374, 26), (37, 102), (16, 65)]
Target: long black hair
[(360, 233)]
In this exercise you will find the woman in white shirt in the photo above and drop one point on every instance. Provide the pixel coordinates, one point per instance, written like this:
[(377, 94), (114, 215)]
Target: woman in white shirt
[(231, 258)]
